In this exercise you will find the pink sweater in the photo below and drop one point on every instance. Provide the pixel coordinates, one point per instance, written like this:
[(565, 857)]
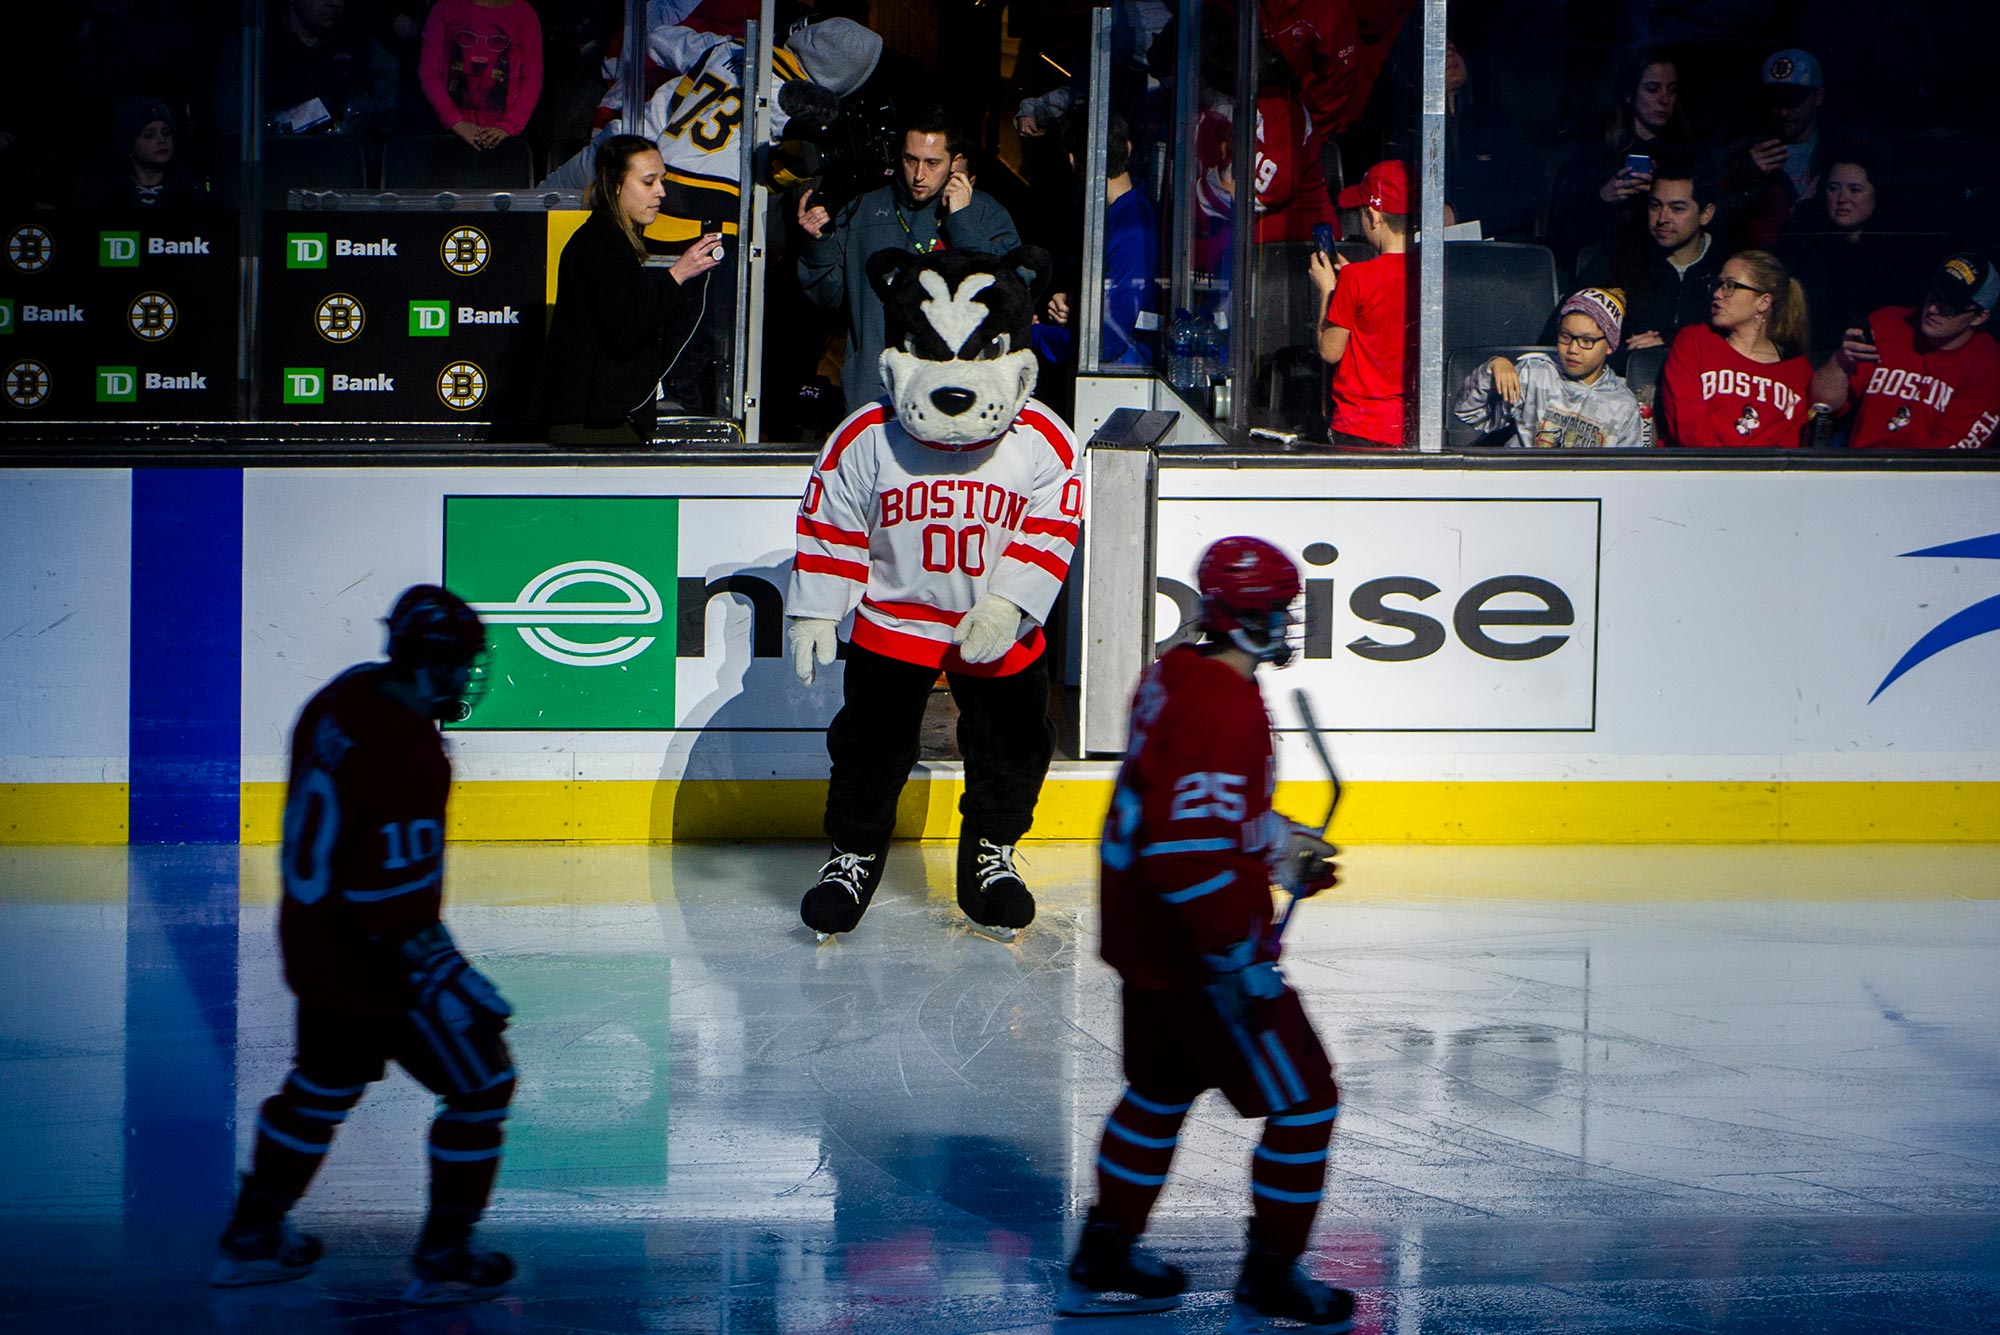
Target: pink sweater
[(483, 65)]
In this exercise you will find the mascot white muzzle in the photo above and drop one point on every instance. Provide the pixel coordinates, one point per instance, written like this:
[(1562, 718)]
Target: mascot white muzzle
[(956, 362)]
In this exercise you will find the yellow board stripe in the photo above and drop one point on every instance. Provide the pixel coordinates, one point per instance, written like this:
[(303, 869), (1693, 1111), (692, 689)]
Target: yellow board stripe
[(663, 811)]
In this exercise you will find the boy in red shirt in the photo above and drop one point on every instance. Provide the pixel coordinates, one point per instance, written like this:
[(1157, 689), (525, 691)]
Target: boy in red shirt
[(1926, 378), (1191, 848), (1363, 332)]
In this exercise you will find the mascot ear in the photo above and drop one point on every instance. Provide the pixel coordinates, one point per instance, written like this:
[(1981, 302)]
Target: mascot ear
[(1035, 268), (886, 268)]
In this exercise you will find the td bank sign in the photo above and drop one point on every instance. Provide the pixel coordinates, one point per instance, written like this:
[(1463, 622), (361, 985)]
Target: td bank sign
[(594, 624)]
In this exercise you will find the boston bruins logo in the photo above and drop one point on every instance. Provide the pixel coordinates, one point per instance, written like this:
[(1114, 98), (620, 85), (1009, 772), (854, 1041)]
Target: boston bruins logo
[(29, 249), (465, 251), (339, 318), (152, 316), (27, 384), (462, 386)]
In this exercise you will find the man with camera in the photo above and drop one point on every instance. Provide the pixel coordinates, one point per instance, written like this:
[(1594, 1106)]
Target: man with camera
[(930, 205)]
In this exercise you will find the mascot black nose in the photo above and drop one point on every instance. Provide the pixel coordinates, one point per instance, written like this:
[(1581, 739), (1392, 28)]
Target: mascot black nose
[(952, 402)]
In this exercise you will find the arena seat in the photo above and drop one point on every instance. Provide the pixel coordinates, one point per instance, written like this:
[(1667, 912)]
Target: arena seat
[(1496, 292), (1287, 319), (1461, 363)]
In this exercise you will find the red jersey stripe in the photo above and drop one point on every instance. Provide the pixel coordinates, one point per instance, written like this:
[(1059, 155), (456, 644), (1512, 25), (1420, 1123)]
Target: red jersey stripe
[(1065, 529), (924, 652), (1052, 433), (874, 415), (830, 565), (840, 537), (1035, 556), (908, 611)]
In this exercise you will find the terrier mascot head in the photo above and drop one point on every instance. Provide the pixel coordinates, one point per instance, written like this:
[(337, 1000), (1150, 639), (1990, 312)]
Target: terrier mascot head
[(956, 358)]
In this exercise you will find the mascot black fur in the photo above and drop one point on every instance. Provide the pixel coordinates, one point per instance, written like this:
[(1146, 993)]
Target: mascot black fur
[(944, 520)]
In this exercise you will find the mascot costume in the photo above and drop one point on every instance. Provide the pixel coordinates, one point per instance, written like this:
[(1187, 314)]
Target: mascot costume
[(944, 520)]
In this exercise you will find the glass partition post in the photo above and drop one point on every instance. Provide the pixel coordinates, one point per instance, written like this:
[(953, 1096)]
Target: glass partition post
[(1187, 108), (1430, 238), (250, 209), (746, 368), (1090, 308), (632, 70), (1243, 230)]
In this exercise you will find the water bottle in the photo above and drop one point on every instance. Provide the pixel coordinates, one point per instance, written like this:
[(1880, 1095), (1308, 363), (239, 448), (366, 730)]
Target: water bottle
[(1183, 368), (1208, 352)]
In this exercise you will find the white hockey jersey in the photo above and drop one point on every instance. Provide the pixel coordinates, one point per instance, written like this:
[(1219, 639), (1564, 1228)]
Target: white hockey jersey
[(908, 535)]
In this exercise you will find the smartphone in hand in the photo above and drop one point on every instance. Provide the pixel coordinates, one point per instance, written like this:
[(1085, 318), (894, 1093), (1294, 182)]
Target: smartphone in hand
[(1638, 164), (1323, 238)]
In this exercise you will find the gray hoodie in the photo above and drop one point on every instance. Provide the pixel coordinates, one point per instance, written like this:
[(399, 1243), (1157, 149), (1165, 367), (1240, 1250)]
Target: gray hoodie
[(1554, 411)]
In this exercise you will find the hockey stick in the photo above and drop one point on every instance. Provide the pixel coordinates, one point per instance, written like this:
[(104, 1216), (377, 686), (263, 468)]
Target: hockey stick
[(1303, 703)]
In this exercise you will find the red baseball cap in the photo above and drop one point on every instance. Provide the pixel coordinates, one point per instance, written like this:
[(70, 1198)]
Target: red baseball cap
[(1385, 186)]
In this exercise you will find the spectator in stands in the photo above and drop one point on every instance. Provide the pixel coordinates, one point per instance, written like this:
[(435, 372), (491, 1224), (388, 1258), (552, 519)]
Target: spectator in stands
[(1923, 378), (1492, 174), (1131, 261), (931, 205), (146, 176), (1665, 273), (1363, 331), (482, 68), (604, 357), (1569, 401), (1846, 249), (1765, 177), (1601, 191), (322, 74), (1742, 378)]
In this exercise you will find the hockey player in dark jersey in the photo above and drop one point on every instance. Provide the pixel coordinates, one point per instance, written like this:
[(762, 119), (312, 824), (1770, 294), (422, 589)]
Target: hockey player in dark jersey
[(1191, 849), (376, 973)]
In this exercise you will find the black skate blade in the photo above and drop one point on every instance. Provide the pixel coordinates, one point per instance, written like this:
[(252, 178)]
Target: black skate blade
[(230, 1273), (422, 1292), (1079, 1301)]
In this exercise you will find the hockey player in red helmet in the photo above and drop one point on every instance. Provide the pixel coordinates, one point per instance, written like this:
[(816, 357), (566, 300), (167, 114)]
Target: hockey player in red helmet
[(377, 975), (1191, 849)]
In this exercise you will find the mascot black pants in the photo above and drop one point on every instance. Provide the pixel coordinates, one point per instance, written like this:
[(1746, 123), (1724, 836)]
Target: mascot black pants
[(1004, 734)]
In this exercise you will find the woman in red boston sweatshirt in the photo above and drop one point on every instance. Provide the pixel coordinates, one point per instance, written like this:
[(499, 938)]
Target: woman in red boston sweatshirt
[(1742, 378)]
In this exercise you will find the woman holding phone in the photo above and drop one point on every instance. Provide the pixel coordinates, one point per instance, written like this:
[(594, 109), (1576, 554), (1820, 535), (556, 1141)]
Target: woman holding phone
[(1600, 191), (602, 367)]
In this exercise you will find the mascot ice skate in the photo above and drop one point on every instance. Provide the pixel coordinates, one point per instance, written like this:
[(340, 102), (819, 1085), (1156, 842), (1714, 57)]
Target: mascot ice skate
[(944, 520)]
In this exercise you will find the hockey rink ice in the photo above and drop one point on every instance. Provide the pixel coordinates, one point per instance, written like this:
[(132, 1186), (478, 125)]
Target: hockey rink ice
[(1749, 1089)]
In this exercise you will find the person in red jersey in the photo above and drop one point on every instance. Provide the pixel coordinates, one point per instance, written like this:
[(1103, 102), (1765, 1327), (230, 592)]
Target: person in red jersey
[(1363, 331), (1742, 378), (1924, 377), (376, 973), (1191, 849)]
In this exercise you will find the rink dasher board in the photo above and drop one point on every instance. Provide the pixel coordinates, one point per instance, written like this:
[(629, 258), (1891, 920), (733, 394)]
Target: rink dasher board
[(1713, 668)]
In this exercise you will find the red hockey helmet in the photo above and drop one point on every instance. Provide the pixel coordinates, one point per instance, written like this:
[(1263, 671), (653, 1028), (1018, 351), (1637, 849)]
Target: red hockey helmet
[(435, 642), (1247, 589)]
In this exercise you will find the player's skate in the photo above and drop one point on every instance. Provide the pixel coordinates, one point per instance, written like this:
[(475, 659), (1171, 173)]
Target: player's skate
[(990, 890), (1273, 1294), (446, 1269), (260, 1246), (846, 884), (1112, 1275)]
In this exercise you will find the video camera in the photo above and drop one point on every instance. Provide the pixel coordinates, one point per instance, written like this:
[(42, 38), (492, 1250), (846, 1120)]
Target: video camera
[(843, 158)]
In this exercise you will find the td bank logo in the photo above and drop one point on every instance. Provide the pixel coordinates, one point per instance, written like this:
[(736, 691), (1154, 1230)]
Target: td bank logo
[(585, 584)]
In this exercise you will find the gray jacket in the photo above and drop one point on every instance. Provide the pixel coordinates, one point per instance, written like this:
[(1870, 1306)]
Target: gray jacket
[(1554, 410), (833, 270)]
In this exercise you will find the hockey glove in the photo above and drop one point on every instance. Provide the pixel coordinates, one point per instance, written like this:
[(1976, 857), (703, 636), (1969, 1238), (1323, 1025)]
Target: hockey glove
[(446, 989), (1301, 863), (1240, 985), (812, 640), (988, 630)]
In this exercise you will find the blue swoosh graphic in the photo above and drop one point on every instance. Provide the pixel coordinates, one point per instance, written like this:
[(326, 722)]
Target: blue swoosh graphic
[(1979, 619)]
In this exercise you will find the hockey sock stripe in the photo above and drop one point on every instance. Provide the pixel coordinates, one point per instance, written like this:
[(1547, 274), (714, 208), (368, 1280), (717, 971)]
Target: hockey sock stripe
[(1270, 1155), (1270, 1193), (473, 1115), (1144, 1104), (465, 1156), (350, 1092), (334, 1115), (292, 1143), (1104, 1165), (1306, 1118), (1144, 1142)]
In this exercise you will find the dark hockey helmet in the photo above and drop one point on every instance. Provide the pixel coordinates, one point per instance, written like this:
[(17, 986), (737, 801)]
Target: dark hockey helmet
[(1247, 589), (438, 644)]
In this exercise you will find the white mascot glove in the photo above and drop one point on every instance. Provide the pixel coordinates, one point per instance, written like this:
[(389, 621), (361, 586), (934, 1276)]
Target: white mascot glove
[(989, 629), (812, 638)]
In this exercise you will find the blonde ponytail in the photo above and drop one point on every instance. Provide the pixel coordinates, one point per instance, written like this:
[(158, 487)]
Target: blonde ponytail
[(1787, 327)]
